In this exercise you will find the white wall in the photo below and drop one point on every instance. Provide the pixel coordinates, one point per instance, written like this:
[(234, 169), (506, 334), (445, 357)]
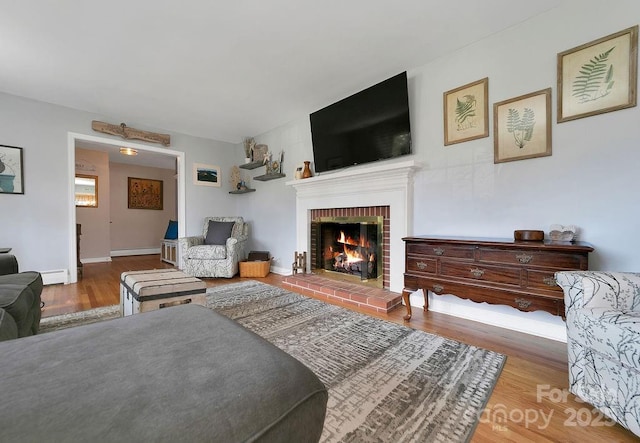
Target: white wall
[(37, 224), (590, 180)]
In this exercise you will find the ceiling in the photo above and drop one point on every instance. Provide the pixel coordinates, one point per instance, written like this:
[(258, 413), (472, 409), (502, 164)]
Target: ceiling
[(225, 70)]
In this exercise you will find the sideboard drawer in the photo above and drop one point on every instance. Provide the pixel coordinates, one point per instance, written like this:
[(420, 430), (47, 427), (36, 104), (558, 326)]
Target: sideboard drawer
[(542, 280), (557, 260), (439, 250), (474, 271), (421, 265)]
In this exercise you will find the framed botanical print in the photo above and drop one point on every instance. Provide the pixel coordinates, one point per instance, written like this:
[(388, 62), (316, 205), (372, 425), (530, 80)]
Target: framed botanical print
[(599, 76), (466, 112), (522, 127)]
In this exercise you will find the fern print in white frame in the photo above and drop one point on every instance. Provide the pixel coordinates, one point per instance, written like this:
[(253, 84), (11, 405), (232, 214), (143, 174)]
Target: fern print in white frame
[(599, 76)]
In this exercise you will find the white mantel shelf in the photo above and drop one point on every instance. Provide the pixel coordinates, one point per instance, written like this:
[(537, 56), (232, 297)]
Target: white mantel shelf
[(386, 184)]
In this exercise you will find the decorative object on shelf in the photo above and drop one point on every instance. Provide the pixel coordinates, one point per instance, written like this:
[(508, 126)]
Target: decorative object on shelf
[(522, 127), (259, 152), (298, 172), (235, 177), (144, 193), (563, 233), (306, 173), (206, 175), (528, 235), (599, 76), (248, 144), (466, 112), (11, 170), (130, 133)]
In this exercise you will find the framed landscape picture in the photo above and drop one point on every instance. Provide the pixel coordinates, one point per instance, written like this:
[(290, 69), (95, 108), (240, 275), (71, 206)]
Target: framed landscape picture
[(466, 112), (599, 76), (522, 127), (144, 193), (206, 175)]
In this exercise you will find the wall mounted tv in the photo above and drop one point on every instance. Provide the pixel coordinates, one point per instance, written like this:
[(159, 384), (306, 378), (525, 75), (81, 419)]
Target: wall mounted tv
[(368, 126)]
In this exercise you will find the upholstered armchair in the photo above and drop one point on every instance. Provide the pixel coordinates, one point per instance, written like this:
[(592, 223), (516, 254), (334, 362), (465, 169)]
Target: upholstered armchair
[(603, 338), (217, 251)]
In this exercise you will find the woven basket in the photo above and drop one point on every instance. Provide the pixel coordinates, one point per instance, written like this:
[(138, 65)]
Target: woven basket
[(254, 268)]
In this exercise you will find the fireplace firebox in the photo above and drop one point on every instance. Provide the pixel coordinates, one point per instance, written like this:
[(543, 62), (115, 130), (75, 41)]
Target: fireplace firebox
[(351, 246)]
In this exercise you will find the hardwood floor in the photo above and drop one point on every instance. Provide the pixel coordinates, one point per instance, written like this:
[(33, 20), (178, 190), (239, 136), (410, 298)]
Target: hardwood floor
[(530, 403)]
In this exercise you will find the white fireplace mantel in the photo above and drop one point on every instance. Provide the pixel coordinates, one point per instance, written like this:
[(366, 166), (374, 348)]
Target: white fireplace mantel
[(385, 184)]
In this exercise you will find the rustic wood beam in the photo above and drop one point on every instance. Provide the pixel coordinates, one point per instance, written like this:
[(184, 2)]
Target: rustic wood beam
[(130, 133)]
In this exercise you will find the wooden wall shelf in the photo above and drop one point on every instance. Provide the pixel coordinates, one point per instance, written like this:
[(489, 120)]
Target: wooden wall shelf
[(242, 191), (252, 165), (267, 177)]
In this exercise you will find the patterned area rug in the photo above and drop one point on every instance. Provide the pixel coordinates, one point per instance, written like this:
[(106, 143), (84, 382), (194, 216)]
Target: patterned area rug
[(387, 382)]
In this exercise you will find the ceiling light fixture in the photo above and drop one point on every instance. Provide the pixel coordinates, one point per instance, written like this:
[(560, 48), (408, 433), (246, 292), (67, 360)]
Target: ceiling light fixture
[(128, 151)]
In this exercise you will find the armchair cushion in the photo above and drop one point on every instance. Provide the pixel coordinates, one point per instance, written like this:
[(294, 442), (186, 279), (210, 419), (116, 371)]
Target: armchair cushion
[(218, 232), (207, 252)]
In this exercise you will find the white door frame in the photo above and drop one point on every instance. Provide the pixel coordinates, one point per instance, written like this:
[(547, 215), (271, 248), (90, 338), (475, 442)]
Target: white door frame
[(71, 148)]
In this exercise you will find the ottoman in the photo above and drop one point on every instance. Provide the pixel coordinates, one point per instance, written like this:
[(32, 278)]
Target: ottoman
[(185, 374), (142, 291)]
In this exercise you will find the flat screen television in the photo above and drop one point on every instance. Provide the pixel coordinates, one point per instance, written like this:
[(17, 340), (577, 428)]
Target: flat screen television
[(365, 127)]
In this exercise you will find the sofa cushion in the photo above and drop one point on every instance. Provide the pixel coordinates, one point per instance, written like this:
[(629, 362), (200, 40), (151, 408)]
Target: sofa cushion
[(610, 332), (30, 278), (207, 252), (8, 326), (218, 232)]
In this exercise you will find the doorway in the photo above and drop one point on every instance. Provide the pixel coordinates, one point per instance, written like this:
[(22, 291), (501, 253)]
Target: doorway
[(107, 144)]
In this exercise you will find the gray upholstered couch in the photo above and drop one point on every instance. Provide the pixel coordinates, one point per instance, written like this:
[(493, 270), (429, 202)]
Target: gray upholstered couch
[(603, 338), (19, 300)]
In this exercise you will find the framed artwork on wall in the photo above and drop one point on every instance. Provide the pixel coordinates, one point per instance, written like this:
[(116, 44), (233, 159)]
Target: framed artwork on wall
[(522, 127), (144, 193), (206, 175), (599, 76), (11, 170), (466, 112)]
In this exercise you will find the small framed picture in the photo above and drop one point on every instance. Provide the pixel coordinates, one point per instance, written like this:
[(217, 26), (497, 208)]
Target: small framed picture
[(466, 112), (206, 175), (599, 76), (522, 127), (11, 170)]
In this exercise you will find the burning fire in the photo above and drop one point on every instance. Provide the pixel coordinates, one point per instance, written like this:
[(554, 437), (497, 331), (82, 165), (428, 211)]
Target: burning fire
[(350, 253)]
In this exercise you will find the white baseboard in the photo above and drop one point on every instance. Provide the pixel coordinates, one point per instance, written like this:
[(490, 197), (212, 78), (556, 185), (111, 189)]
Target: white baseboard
[(280, 270), (538, 323), (125, 252), (95, 260), (55, 277)]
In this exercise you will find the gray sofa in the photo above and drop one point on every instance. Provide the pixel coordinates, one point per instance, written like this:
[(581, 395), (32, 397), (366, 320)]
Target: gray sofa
[(184, 373), (20, 292)]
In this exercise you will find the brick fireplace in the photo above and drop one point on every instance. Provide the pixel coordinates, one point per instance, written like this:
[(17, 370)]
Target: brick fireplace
[(383, 189)]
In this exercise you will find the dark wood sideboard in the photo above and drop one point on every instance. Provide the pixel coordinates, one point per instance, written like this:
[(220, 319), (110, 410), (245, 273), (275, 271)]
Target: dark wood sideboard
[(497, 271)]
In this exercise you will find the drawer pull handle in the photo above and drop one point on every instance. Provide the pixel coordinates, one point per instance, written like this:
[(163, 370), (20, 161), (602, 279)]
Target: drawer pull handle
[(524, 258), (549, 281), (421, 265), (477, 273), (523, 303), (438, 251), (438, 289)]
